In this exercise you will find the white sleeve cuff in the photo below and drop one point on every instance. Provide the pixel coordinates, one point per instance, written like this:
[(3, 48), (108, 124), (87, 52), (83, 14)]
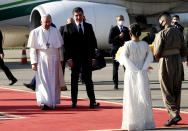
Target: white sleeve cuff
[(33, 55)]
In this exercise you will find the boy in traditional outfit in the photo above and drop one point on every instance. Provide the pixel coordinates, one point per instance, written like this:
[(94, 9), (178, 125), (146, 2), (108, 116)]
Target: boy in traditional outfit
[(168, 46)]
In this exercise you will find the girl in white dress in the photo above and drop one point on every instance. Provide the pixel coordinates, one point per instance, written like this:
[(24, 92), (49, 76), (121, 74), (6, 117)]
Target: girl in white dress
[(137, 106)]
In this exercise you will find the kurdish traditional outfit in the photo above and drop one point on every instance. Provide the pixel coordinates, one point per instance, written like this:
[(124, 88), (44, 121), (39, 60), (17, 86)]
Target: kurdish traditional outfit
[(45, 50), (168, 45), (137, 105)]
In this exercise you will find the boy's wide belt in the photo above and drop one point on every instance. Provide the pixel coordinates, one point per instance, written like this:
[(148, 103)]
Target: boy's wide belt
[(170, 52)]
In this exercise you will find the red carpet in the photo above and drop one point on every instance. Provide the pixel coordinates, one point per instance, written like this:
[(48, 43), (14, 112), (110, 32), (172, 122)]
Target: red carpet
[(63, 118)]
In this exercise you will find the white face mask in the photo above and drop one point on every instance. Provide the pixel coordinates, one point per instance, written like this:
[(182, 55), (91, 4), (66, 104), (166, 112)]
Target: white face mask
[(120, 23)]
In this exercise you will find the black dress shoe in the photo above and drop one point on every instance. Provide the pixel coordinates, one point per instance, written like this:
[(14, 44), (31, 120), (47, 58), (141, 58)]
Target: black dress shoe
[(73, 105), (29, 86), (93, 105), (12, 82), (45, 107), (173, 121), (116, 87)]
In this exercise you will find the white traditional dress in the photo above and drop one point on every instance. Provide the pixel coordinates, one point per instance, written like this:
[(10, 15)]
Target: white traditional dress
[(137, 105), (45, 50)]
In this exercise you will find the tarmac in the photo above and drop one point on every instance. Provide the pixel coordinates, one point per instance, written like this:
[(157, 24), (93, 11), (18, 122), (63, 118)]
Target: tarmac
[(104, 88)]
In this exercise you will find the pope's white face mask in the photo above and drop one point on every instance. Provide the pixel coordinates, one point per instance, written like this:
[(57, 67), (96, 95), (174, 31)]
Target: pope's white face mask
[(120, 23)]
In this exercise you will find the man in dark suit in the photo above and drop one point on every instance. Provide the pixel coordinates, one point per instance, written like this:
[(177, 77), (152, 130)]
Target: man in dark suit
[(176, 23), (9, 75), (80, 42), (117, 37)]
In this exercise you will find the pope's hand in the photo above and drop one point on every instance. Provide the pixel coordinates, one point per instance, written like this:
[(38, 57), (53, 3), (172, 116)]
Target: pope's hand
[(61, 63), (34, 67), (70, 63)]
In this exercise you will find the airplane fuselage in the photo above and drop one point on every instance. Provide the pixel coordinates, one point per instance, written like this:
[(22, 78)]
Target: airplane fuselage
[(24, 15)]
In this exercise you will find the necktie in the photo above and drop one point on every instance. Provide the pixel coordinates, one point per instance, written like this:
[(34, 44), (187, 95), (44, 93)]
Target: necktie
[(80, 30), (121, 29)]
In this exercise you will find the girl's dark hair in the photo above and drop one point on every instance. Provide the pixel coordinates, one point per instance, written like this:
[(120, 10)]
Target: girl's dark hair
[(135, 29)]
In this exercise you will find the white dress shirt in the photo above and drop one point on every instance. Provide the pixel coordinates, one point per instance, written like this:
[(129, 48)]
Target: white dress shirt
[(120, 28), (82, 26)]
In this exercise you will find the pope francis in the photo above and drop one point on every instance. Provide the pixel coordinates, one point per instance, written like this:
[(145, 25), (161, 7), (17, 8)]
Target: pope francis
[(45, 44)]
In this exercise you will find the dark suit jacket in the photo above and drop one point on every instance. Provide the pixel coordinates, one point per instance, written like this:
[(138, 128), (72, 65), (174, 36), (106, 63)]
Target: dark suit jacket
[(79, 47), (180, 27), (61, 30), (115, 40), (1, 42)]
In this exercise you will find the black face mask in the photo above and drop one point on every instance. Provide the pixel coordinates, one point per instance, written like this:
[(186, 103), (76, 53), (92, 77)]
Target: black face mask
[(176, 23), (161, 27)]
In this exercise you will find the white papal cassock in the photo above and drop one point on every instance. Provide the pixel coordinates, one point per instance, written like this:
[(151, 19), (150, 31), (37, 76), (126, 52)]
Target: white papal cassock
[(49, 75), (137, 105)]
